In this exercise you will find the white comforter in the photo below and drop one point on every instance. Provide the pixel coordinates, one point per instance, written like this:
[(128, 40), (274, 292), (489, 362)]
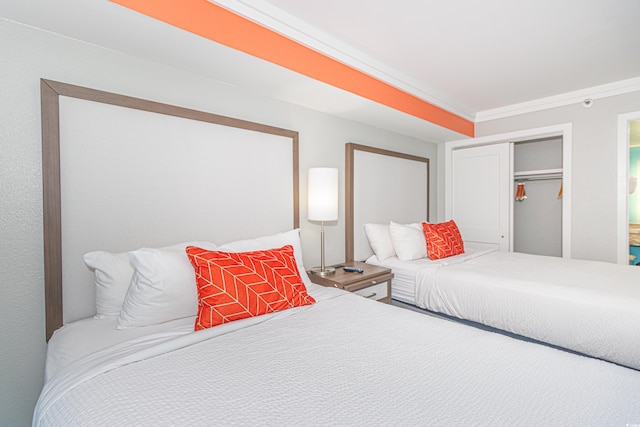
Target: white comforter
[(342, 361), (586, 306)]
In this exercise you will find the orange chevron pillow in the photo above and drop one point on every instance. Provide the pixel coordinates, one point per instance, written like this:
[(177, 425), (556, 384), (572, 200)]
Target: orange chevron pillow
[(233, 286), (443, 239)]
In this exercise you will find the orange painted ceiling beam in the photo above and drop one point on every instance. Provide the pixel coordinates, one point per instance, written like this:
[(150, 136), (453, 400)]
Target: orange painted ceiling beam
[(220, 25)]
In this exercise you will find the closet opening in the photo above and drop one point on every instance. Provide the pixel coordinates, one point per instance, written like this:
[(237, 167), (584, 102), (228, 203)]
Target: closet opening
[(537, 203)]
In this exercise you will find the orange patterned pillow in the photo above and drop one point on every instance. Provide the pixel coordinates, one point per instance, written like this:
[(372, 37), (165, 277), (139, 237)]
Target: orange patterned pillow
[(233, 286), (443, 240)]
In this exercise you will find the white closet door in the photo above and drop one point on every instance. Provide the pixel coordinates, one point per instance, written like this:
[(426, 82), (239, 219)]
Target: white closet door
[(480, 192)]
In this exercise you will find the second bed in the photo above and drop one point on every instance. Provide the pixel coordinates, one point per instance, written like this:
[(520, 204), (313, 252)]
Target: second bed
[(585, 306)]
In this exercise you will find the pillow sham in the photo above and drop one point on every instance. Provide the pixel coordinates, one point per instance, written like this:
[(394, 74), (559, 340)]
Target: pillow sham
[(291, 237), (162, 287), (408, 241), (112, 274), (443, 239), (380, 240), (236, 285)]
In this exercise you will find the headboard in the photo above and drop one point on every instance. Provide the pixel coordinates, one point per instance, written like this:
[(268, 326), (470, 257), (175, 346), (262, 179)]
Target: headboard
[(120, 173), (382, 186)]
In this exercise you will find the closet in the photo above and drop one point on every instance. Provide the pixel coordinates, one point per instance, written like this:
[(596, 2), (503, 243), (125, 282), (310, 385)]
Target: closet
[(537, 218), (509, 193)]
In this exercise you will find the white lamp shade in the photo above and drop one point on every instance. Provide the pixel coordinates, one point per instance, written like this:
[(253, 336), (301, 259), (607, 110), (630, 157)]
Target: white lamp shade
[(323, 194)]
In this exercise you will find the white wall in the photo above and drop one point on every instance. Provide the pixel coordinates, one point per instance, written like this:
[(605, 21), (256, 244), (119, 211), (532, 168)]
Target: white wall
[(27, 56), (594, 167)]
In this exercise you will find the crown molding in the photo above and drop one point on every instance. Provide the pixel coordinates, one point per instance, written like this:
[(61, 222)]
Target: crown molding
[(269, 16), (579, 96)]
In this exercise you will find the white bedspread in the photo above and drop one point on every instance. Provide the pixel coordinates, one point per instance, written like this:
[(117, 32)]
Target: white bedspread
[(342, 361), (586, 306), (83, 337)]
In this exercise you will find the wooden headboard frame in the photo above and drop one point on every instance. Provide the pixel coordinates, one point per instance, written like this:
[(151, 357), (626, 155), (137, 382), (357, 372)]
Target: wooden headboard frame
[(52, 221), (350, 172)]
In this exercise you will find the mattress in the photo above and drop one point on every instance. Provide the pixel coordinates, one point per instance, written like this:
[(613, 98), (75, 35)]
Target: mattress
[(403, 284), (585, 306), (345, 360)]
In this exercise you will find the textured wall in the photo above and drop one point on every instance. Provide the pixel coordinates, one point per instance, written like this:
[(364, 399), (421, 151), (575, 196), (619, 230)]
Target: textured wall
[(27, 56)]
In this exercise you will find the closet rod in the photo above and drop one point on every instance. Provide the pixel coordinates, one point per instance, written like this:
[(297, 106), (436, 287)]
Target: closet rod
[(537, 178)]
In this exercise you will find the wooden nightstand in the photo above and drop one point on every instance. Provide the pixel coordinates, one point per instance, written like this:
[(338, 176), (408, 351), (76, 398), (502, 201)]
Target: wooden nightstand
[(374, 282)]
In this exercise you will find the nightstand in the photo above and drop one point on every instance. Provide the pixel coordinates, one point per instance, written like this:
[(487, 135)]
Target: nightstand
[(374, 282)]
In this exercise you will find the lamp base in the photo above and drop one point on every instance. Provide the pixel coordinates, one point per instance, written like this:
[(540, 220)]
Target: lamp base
[(328, 271)]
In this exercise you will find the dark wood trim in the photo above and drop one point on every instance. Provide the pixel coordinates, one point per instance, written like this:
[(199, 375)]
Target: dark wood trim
[(384, 152), (80, 92), (350, 149), (50, 95), (296, 180), (348, 194), (52, 230)]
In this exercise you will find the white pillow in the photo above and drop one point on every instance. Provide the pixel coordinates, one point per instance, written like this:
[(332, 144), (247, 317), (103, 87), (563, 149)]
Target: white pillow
[(380, 240), (291, 237), (112, 274), (163, 286), (408, 241)]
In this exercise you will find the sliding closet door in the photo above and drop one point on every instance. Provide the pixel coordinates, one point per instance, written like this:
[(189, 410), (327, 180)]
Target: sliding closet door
[(480, 192)]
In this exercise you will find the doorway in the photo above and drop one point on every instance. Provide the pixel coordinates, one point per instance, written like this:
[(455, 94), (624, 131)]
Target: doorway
[(629, 188)]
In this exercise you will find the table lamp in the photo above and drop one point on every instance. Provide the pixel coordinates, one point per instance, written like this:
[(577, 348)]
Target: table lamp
[(323, 206)]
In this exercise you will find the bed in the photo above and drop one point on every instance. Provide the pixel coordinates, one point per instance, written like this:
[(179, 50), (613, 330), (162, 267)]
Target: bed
[(583, 306), (315, 366), (334, 359)]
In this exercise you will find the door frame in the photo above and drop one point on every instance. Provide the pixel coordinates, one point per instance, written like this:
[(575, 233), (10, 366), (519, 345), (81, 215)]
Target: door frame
[(563, 130), (623, 185)]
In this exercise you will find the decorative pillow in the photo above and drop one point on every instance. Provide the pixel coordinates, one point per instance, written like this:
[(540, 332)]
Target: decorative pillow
[(443, 240), (112, 274), (163, 286), (291, 237), (408, 241), (237, 285), (379, 240)]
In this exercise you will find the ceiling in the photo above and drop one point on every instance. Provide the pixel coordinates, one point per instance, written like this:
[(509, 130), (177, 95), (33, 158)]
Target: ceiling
[(466, 56)]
